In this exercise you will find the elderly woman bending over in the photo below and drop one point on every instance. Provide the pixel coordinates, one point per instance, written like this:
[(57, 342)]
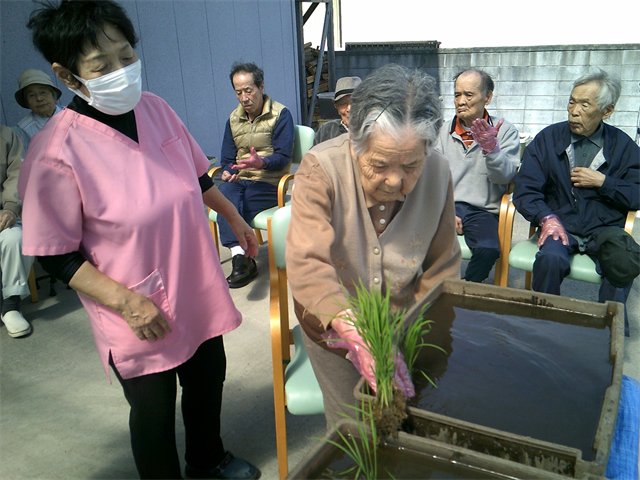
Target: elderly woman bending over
[(375, 205)]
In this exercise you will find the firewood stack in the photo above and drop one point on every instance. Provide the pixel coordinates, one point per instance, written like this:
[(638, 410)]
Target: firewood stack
[(311, 62)]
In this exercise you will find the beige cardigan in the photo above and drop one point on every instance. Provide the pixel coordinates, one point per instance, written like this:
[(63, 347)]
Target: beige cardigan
[(11, 155), (332, 239)]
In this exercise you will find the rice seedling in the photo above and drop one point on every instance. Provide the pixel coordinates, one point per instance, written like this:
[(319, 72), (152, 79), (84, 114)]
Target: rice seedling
[(361, 450), (413, 340), (386, 337)]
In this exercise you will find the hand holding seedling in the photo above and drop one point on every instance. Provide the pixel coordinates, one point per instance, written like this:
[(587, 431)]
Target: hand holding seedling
[(402, 377), (343, 329)]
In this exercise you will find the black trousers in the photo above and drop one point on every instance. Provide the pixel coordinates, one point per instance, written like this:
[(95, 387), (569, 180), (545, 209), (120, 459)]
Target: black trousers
[(153, 409)]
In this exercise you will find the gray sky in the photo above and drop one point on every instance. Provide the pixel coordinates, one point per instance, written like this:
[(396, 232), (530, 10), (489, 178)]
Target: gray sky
[(486, 23)]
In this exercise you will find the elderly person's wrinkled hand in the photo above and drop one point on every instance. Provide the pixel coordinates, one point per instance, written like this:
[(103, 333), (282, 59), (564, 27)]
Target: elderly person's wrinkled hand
[(459, 225), (144, 317), (485, 135), (343, 334), (7, 219), (254, 162), (586, 178), (245, 235), (229, 177), (552, 227)]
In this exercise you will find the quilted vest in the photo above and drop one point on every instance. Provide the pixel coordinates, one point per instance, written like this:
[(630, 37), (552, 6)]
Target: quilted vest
[(257, 134)]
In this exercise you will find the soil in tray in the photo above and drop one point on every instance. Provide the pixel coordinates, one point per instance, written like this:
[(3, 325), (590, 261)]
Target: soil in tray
[(401, 463), (530, 371)]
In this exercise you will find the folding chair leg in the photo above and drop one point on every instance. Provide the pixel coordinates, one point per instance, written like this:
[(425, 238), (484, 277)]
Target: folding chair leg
[(281, 439), (258, 233), (498, 271), (32, 286)]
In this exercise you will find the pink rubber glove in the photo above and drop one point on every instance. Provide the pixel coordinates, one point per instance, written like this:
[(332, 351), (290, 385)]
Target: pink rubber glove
[(402, 377), (552, 226), (344, 335), (485, 135), (254, 161)]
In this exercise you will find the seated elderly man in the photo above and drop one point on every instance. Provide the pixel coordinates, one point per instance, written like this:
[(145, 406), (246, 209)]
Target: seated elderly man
[(342, 103), (484, 155), (577, 181), (15, 266), (256, 153), (36, 92)]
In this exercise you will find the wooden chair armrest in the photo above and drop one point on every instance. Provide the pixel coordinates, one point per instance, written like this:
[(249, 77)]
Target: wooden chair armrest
[(283, 186), (214, 171), (628, 224)]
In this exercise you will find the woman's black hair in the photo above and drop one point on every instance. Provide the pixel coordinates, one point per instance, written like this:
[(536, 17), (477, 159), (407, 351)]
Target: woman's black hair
[(62, 31)]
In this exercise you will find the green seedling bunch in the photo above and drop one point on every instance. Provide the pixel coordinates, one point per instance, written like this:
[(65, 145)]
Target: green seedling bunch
[(381, 331), (385, 333)]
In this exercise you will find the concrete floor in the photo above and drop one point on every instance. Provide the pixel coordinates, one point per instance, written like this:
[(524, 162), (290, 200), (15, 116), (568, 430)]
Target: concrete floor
[(61, 419)]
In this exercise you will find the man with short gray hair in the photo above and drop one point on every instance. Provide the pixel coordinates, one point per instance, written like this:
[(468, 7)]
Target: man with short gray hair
[(578, 180), (484, 154)]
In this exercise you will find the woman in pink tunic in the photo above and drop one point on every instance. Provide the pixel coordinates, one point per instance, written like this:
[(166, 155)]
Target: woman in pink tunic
[(113, 188)]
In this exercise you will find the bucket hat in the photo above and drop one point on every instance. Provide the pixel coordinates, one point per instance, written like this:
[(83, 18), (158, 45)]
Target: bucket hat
[(345, 86), (30, 77), (619, 256)]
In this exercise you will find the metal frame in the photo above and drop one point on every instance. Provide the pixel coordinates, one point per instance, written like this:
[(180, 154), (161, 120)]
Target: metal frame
[(328, 40)]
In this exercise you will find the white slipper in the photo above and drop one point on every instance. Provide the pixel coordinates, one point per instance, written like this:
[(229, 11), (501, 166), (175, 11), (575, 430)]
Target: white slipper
[(16, 324)]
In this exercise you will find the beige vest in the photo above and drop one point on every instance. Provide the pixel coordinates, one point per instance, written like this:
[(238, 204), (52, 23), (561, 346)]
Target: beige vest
[(395, 259), (257, 134)]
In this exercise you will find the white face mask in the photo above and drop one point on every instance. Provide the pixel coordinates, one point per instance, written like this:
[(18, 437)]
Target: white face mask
[(115, 93)]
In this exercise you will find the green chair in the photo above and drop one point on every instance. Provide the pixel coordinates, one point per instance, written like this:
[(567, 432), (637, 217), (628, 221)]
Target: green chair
[(523, 254), (302, 141), (294, 384)]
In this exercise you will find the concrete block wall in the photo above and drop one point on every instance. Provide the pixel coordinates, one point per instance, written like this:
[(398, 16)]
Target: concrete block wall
[(532, 84)]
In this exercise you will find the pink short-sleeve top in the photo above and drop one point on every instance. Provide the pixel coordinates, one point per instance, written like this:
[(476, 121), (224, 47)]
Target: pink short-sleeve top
[(135, 211)]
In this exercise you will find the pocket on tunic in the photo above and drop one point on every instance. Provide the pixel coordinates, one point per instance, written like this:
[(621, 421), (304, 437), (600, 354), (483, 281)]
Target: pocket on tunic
[(182, 163), (124, 343)]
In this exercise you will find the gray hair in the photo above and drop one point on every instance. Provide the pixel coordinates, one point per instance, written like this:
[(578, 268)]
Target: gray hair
[(486, 82), (395, 99), (610, 87)]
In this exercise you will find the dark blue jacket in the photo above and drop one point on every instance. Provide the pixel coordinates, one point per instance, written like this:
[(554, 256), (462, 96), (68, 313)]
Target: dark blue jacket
[(543, 184)]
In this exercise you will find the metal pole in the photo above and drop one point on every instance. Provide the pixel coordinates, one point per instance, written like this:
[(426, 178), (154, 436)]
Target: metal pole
[(316, 81)]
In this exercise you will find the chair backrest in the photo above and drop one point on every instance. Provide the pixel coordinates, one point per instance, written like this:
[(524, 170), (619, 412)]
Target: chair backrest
[(279, 226), (525, 139), (302, 141)]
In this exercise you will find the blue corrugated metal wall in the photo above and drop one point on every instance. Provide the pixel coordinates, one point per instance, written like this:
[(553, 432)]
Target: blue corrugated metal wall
[(187, 48)]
